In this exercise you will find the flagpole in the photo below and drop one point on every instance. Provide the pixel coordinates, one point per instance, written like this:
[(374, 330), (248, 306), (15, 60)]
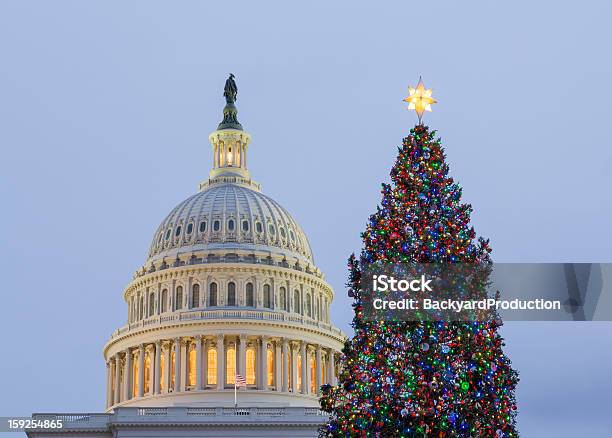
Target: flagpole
[(235, 395)]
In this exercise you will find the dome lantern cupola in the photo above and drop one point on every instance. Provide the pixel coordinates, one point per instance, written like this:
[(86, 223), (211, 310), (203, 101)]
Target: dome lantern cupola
[(230, 142)]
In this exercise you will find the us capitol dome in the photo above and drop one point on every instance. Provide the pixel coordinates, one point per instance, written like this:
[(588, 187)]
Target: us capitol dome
[(229, 288)]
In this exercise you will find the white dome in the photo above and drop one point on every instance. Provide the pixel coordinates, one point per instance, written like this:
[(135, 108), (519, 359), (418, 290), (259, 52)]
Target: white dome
[(229, 216), (229, 288)]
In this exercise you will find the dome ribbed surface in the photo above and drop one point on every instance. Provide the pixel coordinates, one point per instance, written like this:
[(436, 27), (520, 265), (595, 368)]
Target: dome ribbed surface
[(230, 216)]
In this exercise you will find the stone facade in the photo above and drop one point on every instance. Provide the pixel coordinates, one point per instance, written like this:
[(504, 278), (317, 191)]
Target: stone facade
[(188, 422)]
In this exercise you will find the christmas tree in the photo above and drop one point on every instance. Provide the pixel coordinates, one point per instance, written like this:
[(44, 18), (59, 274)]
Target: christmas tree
[(423, 378)]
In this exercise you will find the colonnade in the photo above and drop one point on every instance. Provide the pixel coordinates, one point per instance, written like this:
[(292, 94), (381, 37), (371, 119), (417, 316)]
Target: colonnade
[(265, 293), (203, 363)]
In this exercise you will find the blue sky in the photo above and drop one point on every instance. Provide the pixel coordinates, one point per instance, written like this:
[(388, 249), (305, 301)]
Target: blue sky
[(105, 110)]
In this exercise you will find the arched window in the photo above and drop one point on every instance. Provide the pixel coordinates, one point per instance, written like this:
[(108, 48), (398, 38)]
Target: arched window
[(135, 379), (178, 231), (250, 366), (211, 374), (189, 228), (308, 305), (195, 296), (231, 225), (313, 375), (212, 295), (178, 303), (270, 359), (151, 304), (191, 372), (147, 372), (216, 225), (259, 227), (267, 299), (296, 301), (164, 300), (250, 301), (202, 226), (283, 298), (162, 372), (230, 365), (231, 294), (245, 226)]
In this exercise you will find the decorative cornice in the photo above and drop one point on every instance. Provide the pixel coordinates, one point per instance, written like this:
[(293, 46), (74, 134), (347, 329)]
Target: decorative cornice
[(331, 337)]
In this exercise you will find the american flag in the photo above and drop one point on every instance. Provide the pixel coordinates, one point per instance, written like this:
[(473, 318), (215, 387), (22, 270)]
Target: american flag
[(240, 381)]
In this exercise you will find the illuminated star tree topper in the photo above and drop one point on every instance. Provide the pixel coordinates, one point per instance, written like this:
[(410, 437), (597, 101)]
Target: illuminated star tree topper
[(419, 99)]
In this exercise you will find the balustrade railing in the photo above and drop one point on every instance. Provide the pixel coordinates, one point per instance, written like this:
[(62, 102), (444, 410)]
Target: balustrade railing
[(194, 315), (201, 412), (178, 414), (227, 258)]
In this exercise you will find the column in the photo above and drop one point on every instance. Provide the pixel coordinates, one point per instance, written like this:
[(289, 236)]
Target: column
[(319, 369), (258, 363), (204, 375), (184, 365), (127, 375), (285, 359), (141, 354), (303, 352), (152, 372), (293, 353), (198, 340), (109, 376), (263, 384), (117, 391), (277, 366), (332, 366), (167, 366), (177, 364), (220, 362), (157, 368), (242, 356)]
